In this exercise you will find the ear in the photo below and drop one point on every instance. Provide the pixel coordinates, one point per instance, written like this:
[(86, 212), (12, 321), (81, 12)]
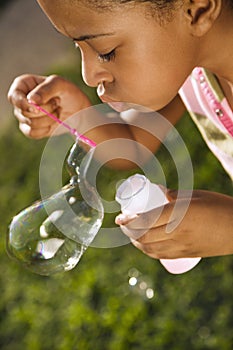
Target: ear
[(201, 15)]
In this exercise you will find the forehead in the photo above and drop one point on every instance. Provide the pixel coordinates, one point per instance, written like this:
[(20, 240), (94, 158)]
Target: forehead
[(69, 16)]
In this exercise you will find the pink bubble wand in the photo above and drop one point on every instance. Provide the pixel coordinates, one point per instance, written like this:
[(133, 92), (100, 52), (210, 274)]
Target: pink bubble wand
[(71, 130)]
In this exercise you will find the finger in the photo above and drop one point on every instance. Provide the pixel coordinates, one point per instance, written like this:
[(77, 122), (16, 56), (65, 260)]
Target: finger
[(153, 218), (34, 117), (48, 90), (21, 118), (125, 218), (137, 221), (157, 244), (153, 235), (136, 226), (152, 251), (146, 235), (41, 90), (157, 250), (19, 99), (41, 122), (134, 234), (52, 106), (34, 133), (169, 214), (19, 89), (35, 123)]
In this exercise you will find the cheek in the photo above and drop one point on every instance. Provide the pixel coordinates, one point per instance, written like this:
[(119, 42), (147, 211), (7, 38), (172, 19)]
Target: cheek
[(158, 70), (155, 82), (150, 75), (148, 85)]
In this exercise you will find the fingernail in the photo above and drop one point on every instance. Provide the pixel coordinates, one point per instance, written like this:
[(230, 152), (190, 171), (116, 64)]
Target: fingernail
[(125, 218), (34, 97), (120, 219)]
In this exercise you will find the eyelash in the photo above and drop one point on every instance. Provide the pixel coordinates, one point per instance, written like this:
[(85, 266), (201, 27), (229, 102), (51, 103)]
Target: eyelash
[(104, 58), (107, 57)]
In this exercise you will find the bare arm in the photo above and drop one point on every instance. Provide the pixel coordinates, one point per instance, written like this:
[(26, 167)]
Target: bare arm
[(64, 99), (204, 231)]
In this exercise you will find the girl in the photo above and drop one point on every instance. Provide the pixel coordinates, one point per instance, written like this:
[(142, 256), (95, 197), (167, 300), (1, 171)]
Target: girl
[(147, 53)]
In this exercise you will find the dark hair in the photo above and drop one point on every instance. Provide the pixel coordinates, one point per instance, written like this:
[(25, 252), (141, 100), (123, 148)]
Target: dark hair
[(157, 8), (109, 4), (112, 3), (161, 9)]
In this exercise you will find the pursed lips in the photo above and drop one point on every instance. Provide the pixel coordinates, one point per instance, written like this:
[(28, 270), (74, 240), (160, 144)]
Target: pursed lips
[(116, 105)]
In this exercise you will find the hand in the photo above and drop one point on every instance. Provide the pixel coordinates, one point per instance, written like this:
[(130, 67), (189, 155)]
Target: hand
[(53, 93), (205, 230)]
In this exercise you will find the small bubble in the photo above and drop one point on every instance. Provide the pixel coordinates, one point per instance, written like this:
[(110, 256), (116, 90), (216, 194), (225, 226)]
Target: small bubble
[(133, 272), (149, 293), (72, 200), (204, 332), (133, 281), (143, 285)]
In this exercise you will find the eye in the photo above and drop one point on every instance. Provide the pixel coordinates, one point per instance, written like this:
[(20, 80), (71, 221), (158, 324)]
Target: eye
[(107, 57)]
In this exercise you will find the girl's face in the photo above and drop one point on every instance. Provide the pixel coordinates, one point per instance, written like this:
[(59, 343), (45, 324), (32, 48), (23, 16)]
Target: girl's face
[(138, 60)]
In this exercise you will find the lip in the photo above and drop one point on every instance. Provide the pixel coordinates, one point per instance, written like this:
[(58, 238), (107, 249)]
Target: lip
[(116, 105)]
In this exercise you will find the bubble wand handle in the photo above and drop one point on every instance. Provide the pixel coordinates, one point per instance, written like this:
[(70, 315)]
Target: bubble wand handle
[(71, 130)]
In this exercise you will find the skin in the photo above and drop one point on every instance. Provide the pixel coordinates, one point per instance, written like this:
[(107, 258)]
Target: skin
[(150, 63), (119, 75)]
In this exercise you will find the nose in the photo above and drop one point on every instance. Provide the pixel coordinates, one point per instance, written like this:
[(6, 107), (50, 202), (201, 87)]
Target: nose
[(94, 71)]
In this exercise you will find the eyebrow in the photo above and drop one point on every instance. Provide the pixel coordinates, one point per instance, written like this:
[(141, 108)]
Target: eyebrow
[(91, 36)]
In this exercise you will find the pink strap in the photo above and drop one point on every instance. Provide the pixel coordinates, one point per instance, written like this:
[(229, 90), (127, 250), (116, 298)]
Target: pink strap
[(214, 104)]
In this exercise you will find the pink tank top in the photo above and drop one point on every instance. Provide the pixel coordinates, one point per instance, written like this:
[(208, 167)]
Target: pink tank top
[(208, 107)]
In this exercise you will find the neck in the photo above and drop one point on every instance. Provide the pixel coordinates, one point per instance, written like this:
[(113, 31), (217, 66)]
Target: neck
[(217, 47)]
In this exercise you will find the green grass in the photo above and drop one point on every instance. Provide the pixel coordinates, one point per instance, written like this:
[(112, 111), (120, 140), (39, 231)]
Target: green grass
[(93, 306)]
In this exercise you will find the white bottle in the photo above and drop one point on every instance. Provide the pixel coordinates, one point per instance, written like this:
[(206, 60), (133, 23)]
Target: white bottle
[(137, 195)]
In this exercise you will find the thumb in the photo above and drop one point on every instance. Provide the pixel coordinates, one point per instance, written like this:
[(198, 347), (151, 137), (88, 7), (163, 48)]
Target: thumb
[(46, 91)]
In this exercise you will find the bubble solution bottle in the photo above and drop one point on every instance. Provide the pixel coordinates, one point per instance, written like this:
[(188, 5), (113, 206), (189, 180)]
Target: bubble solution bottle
[(52, 234), (136, 195)]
